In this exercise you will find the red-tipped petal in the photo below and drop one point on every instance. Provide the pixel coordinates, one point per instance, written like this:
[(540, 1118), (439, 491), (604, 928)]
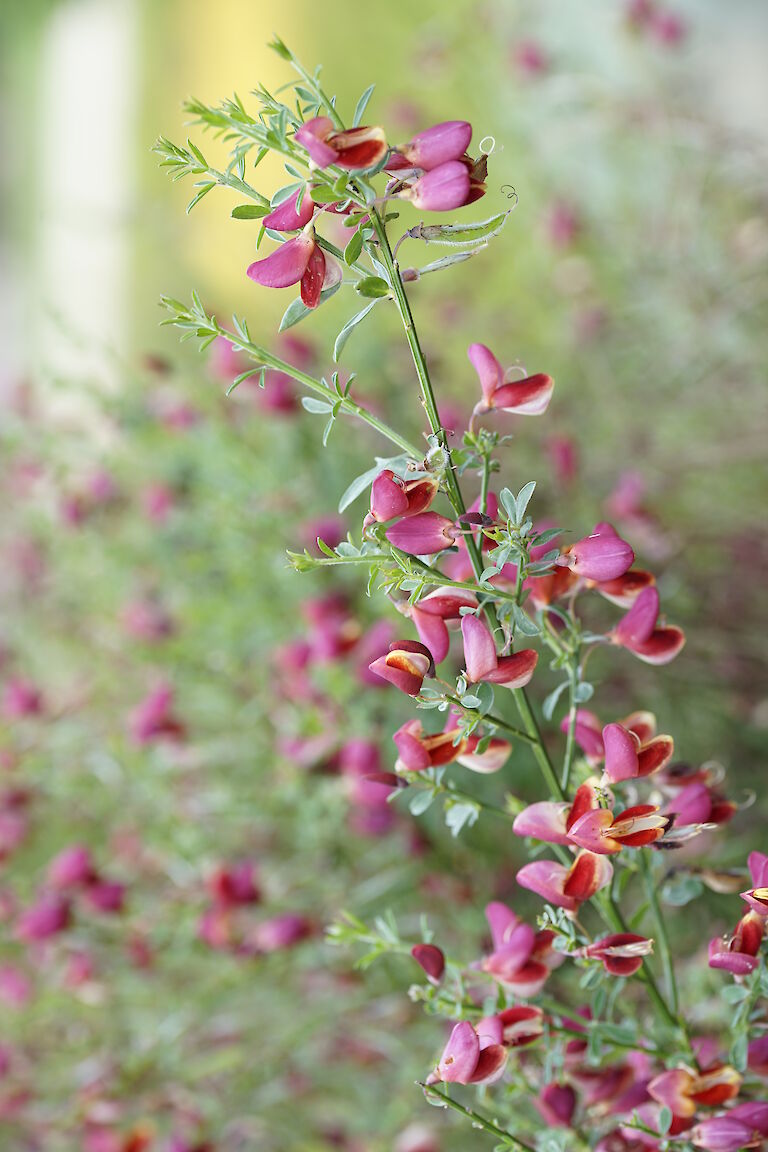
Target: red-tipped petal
[(286, 266), (587, 876), (447, 603), (528, 397), (312, 136), (490, 1065), (661, 647), (514, 671), (314, 278), (362, 147), (388, 497), (547, 879), (655, 755)]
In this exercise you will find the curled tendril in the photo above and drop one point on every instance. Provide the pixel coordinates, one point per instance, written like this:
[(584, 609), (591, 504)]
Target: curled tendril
[(490, 149), (510, 193)]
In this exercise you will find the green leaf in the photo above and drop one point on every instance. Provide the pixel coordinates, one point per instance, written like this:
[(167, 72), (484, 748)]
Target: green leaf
[(362, 104), (523, 622), (284, 194), (353, 248), (446, 261), (549, 705), (249, 212), (204, 190), (459, 813), (419, 802), (665, 1120), (365, 479), (509, 504), (348, 329), (524, 497), (461, 233), (313, 405), (373, 287)]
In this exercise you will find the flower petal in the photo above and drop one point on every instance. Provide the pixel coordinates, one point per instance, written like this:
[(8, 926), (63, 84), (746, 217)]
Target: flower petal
[(286, 265), (479, 648), (528, 397)]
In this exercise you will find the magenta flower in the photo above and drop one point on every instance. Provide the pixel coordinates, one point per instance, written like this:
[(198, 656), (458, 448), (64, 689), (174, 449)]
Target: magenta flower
[(740, 952), (627, 756), (557, 1104), (362, 147), (391, 496), (47, 917), (423, 534), (300, 260), (107, 896), (405, 665), (757, 895), (431, 959), (600, 831), (522, 958), (683, 1090), (565, 887), (20, 699), (153, 718), (235, 885), (290, 216), (418, 751), (637, 631), (513, 1027), (72, 868), (278, 933), (431, 613), (724, 1134), (469, 1058), (621, 954), (482, 663), (442, 189), (551, 820), (527, 397), (433, 147), (601, 556)]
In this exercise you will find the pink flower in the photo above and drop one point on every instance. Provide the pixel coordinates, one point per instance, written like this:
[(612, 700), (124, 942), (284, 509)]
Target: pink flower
[(757, 895), (683, 1090), (431, 959), (526, 397), (739, 953), (15, 987), (600, 831), (157, 502), (637, 631), (153, 718), (49, 916), (72, 868), (391, 496), (442, 189), (522, 958), (601, 556), (628, 756), (482, 662), (621, 953), (300, 260), (405, 665), (565, 887), (107, 896), (557, 1104), (551, 820), (422, 535), (433, 147), (418, 751), (147, 620), (430, 614), (469, 1059), (513, 1027), (278, 933), (354, 148), (724, 1134), (20, 699), (290, 216)]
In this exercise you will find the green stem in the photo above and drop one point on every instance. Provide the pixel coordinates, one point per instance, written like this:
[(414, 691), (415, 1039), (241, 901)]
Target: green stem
[(478, 1120), (572, 713), (661, 930), (346, 404), (489, 718)]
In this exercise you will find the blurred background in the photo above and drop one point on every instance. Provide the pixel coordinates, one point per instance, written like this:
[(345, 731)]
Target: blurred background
[(181, 713)]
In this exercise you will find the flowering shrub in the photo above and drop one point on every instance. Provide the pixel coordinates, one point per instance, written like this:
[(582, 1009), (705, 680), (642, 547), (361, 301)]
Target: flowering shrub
[(545, 1014)]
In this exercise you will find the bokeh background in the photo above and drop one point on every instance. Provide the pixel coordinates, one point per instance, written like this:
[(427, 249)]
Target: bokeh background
[(145, 519)]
